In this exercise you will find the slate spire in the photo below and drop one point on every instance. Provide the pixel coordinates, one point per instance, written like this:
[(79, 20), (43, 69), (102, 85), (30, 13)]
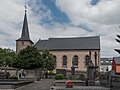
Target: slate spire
[(25, 30)]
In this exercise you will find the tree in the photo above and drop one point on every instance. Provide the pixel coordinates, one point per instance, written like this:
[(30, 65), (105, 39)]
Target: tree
[(118, 40), (7, 56), (48, 61), (28, 58)]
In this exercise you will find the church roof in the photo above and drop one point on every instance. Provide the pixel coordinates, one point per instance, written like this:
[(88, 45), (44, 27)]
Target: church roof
[(25, 31), (79, 43)]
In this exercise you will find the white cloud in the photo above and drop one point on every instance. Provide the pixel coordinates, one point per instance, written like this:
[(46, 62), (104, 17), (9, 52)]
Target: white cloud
[(105, 12), (10, 17), (103, 19)]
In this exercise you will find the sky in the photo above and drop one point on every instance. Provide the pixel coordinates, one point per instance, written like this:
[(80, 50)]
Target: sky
[(62, 18)]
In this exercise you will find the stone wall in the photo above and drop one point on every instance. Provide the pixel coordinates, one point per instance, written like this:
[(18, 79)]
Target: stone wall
[(21, 45), (81, 58)]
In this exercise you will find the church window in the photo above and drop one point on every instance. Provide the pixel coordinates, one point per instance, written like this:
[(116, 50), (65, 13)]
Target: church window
[(86, 59), (64, 61), (75, 60), (55, 60)]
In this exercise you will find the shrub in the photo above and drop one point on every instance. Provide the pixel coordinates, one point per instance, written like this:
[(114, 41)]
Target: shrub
[(59, 76), (82, 77)]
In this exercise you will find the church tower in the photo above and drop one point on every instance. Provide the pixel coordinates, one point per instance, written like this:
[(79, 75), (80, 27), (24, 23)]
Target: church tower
[(25, 40)]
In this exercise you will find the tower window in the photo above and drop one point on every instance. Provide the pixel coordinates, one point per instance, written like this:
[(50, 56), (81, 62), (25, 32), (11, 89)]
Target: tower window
[(22, 43)]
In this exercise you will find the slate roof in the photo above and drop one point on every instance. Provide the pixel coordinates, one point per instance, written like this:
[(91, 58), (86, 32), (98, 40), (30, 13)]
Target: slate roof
[(117, 60), (79, 43), (25, 31)]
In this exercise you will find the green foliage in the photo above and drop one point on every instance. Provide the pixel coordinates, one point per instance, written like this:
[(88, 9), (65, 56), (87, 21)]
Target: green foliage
[(48, 60), (28, 58), (59, 77), (7, 56), (82, 77), (51, 73)]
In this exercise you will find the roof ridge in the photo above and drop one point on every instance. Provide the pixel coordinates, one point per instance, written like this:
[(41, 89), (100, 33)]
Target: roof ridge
[(74, 37)]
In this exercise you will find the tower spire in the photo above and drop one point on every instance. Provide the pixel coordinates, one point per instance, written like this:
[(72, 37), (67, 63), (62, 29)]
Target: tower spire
[(25, 29), (24, 40)]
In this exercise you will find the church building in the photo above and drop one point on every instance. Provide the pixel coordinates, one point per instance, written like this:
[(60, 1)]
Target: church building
[(65, 50)]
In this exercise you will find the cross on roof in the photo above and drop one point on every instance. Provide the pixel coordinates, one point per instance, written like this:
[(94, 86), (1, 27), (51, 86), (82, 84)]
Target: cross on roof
[(25, 7)]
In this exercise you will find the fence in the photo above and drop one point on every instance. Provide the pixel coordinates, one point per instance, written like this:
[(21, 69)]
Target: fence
[(115, 81)]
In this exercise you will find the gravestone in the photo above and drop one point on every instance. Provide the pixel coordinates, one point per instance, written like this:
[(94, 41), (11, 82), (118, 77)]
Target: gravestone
[(91, 74), (2, 75)]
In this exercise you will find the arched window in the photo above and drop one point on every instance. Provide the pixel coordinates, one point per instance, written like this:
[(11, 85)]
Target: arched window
[(64, 61), (75, 60), (87, 59), (55, 60)]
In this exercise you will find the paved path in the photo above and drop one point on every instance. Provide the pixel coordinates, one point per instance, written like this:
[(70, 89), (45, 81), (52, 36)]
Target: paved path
[(82, 88), (44, 84)]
